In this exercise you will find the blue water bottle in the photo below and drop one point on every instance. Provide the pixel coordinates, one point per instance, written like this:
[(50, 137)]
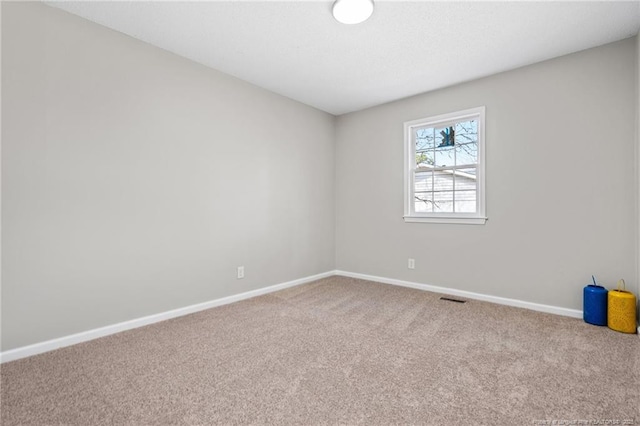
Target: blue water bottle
[(595, 304)]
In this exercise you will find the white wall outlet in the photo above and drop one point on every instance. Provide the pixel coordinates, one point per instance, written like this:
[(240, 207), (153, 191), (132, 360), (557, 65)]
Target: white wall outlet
[(240, 272), (411, 264)]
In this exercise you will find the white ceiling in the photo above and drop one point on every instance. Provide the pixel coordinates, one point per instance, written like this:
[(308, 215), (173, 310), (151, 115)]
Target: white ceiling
[(297, 49)]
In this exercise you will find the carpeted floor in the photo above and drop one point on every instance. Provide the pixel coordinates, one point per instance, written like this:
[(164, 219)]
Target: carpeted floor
[(336, 351)]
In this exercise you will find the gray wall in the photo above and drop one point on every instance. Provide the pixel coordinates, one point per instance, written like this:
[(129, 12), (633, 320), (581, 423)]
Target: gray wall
[(560, 184), (135, 181)]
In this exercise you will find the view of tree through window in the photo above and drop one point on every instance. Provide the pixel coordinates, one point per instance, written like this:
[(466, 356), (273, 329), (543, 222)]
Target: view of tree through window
[(445, 171)]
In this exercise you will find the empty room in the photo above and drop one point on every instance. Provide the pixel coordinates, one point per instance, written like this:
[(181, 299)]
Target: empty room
[(320, 212)]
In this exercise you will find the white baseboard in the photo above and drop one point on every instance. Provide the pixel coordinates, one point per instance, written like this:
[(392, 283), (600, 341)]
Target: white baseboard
[(467, 294), (84, 336)]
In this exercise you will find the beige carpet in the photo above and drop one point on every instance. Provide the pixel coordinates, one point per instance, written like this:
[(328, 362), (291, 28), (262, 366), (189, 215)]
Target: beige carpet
[(336, 351)]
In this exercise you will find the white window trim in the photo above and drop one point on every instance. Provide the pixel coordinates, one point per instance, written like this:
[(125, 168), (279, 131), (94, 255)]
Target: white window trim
[(477, 218)]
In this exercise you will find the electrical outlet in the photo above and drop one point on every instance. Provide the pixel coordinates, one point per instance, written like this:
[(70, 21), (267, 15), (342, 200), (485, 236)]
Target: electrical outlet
[(411, 264), (240, 272)]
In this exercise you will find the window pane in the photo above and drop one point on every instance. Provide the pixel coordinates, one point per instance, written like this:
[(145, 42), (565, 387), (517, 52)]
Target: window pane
[(445, 148), (443, 202), (445, 157), (443, 181), (466, 153), (465, 201), (467, 131), (465, 179), (423, 202), (465, 206), (423, 181), (445, 136), (424, 159), (425, 139), (425, 142), (466, 186), (422, 186), (466, 142)]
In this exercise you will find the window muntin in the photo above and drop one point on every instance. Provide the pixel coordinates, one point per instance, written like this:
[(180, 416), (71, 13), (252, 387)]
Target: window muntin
[(444, 168)]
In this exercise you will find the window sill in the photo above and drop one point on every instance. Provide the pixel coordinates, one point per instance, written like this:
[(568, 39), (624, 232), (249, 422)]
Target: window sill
[(444, 219)]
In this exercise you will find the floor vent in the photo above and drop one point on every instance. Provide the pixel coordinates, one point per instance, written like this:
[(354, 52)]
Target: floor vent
[(448, 299)]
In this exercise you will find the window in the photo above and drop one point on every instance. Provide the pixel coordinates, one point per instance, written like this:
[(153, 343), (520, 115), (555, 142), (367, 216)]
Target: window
[(444, 168)]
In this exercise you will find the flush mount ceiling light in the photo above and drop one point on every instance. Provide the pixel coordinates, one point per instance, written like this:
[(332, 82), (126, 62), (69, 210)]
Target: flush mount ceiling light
[(352, 11)]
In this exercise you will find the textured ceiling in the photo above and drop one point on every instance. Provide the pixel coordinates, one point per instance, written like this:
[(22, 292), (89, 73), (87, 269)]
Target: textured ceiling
[(297, 49)]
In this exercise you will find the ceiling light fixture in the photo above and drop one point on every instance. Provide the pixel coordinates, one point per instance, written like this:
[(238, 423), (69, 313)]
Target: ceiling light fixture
[(352, 11)]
